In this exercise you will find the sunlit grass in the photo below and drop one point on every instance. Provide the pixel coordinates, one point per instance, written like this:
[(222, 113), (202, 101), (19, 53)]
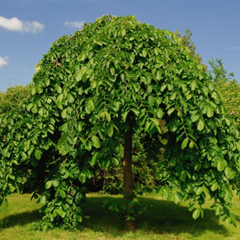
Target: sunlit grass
[(165, 220)]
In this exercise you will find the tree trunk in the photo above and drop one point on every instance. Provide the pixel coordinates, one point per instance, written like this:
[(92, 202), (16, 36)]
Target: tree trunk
[(127, 171)]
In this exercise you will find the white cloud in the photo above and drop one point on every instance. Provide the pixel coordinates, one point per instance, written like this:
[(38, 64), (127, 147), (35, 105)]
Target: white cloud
[(14, 24), (34, 27), (232, 48), (76, 24), (3, 61)]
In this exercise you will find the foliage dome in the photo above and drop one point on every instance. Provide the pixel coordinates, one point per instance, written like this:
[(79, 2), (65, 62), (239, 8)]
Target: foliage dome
[(85, 88)]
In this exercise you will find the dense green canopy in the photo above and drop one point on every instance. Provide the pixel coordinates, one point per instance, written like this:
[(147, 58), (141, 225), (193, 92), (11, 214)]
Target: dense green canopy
[(84, 89)]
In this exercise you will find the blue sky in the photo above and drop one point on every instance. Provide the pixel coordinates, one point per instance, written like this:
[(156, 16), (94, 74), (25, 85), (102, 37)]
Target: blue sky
[(28, 28)]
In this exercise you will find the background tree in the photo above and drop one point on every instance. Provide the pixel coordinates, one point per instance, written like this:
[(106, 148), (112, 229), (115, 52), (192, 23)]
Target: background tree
[(92, 92), (227, 86), (13, 97)]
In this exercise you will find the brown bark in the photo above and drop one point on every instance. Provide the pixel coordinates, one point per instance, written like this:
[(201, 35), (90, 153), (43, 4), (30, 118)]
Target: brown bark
[(127, 170)]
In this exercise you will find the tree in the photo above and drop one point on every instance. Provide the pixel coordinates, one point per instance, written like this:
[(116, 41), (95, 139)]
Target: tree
[(227, 87), (13, 97), (92, 92)]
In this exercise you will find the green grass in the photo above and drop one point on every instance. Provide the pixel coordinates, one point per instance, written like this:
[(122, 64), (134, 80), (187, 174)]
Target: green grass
[(165, 221)]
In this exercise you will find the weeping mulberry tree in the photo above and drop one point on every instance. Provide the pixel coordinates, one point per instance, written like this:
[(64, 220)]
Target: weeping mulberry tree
[(96, 89)]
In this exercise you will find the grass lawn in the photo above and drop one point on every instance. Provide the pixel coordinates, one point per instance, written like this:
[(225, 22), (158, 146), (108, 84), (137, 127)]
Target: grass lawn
[(164, 221)]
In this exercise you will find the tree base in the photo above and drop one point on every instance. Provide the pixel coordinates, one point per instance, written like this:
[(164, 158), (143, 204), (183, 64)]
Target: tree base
[(130, 225)]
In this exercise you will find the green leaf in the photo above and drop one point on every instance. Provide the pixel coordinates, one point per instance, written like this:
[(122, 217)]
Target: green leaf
[(96, 142), (59, 89), (110, 131), (196, 213), (66, 175), (172, 125), (159, 75), (29, 106), (62, 193), (94, 159), (228, 196), (26, 145), (79, 127), (41, 111), (221, 165), (135, 111), (184, 143), (173, 96), (160, 113), (38, 154), (29, 125), (193, 85), (60, 98), (11, 187), (194, 118), (82, 177), (108, 117), (227, 121), (33, 91), (63, 146), (64, 127), (79, 75), (90, 106), (156, 51), (43, 199), (229, 173), (112, 70), (70, 98), (144, 53), (210, 113), (151, 101), (124, 115), (55, 183), (88, 146), (183, 176), (191, 144), (35, 108), (64, 113), (200, 125), (132, 58), (214, 187), (79, 219), (117, 106), (60, 212), (163, 87), (170, 111), (147, 125), (48, 184), (199, 190), (155, 121), (123, 32)]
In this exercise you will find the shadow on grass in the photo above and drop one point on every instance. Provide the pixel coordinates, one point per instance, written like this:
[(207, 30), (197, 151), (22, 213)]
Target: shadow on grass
[(20, 219), (165, 217)]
